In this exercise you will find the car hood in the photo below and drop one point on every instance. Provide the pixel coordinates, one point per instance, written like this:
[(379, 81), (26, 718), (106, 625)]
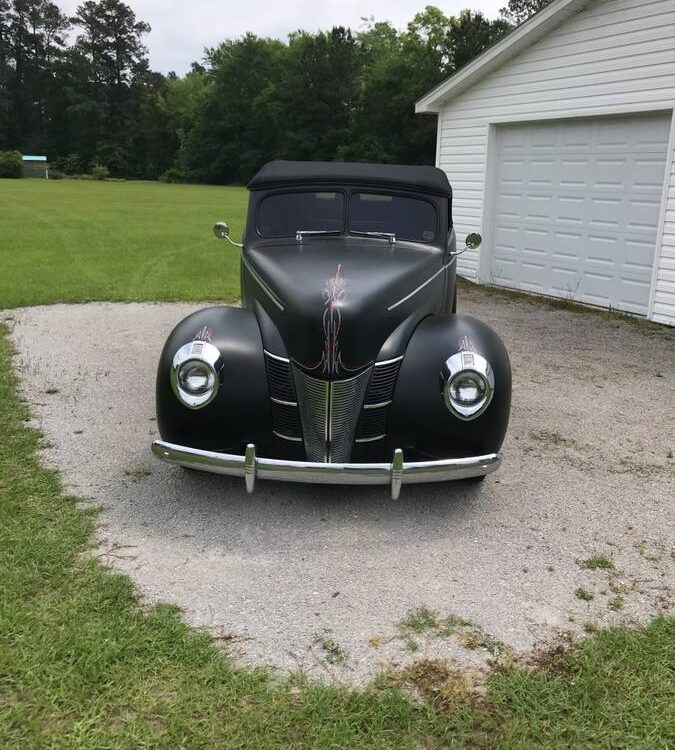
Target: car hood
[(336, 301)]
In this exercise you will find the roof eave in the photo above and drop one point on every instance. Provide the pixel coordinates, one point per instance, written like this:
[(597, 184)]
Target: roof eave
[(496, 55)]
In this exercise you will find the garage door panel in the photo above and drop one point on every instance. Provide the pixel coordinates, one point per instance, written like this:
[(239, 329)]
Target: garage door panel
[(577, 207), (644, 175), (632, 294)]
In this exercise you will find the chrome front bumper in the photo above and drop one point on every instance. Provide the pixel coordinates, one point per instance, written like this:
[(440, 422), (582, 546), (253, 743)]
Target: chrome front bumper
[(249, 466)]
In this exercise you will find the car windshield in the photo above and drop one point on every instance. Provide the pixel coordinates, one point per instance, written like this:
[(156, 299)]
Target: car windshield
[(285, 214), (373, 214), (412, 219)]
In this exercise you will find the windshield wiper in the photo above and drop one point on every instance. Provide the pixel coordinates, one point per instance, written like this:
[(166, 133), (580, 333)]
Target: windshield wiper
[(384, 235), (300, 233)]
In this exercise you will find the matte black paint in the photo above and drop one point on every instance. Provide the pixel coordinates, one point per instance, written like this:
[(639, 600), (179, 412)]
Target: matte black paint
[(374, 277), (419, 418), (241, 411), (423, 180)]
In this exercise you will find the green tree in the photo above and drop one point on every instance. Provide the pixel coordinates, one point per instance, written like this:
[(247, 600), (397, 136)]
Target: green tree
[(398, 68), (395, 69), (110, 70), (110, 39), (315, 96), (234, 130), (323, 95), (182, 101), (5, 72), (34, 37), (518, 11), (471, 33)]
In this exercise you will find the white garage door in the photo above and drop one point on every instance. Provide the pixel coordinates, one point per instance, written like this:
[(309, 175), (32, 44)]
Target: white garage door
[(577, 206)]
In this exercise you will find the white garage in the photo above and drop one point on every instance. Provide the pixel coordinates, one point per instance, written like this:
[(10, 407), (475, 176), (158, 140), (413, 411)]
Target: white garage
[(559, 143)]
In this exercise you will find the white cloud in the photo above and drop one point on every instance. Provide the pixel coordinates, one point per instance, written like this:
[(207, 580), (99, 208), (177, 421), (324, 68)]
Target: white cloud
[(181, 30)]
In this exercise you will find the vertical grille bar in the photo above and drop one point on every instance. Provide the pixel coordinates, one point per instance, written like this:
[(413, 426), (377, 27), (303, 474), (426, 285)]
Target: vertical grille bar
[(329, 411), (346, 400), (375, 416), (313, 402), (285, 418)]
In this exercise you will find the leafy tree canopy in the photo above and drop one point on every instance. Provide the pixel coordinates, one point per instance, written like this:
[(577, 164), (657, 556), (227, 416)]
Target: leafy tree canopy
[(81, 90), (518, 11)]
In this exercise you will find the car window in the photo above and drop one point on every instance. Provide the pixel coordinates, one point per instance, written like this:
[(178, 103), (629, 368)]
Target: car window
[(284, 214), (410, 219)]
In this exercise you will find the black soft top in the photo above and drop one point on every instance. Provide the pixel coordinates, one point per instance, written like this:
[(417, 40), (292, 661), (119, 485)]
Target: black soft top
[(421, 178)]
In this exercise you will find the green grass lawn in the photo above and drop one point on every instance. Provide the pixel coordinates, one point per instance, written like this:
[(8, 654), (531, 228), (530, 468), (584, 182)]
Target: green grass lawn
[(82, 665), (73, 240)]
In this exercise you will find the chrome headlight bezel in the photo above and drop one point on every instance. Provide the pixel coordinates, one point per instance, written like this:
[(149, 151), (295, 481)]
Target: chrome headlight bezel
[(205, 354), (458, 365)]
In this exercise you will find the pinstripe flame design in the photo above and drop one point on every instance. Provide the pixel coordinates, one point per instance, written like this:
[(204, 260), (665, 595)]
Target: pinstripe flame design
[(335, 290), (333, 293)]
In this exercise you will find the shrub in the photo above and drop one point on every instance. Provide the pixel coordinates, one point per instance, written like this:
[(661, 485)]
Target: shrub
[(55, 174), (72, 164), (99, 172), (69, 165), (173, 174), (11, 164)]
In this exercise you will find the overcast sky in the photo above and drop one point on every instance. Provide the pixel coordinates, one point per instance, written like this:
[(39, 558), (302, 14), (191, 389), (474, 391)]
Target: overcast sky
[(181, 30)]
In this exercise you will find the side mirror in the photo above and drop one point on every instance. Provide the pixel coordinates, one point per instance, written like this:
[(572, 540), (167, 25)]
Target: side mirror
[(473, 240), (222, 232)]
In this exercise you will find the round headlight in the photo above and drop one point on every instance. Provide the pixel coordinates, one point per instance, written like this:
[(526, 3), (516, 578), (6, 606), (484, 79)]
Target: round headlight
[(468, 384), (467, 388), (195, 373), (196, 377)]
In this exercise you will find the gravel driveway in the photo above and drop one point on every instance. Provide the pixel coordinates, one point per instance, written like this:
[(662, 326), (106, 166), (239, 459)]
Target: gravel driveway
[(322, 578)]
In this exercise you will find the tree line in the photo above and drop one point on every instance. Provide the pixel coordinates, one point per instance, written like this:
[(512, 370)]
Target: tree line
[(80, 90)]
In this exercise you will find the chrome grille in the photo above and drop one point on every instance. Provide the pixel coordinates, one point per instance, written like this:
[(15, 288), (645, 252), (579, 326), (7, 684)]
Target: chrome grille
[(382, 382), (313, 397), (372, 425), (346, 400), (285, 417), (329, 411), (373, 421), (279, 377)]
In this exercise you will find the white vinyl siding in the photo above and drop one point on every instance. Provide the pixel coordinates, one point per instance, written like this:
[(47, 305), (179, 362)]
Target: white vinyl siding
[(611, 57)]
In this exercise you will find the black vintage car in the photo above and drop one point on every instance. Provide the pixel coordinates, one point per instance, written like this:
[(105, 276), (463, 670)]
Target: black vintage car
[(347, 362)]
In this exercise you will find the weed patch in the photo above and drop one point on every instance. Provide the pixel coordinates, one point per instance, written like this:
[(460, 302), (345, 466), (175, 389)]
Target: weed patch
[(583, 594), (598, 562)]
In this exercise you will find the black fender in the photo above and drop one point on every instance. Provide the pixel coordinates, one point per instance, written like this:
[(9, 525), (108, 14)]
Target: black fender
[(419, 421), (240, 412)]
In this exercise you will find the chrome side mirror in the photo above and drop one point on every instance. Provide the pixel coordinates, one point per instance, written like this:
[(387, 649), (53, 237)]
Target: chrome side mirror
[(222, 232), (473, 240)]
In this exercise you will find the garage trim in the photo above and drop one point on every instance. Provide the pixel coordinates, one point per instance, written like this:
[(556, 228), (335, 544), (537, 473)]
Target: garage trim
[(660, 232)]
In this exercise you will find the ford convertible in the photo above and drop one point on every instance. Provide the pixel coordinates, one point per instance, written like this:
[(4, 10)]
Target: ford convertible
[(347, 362)]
